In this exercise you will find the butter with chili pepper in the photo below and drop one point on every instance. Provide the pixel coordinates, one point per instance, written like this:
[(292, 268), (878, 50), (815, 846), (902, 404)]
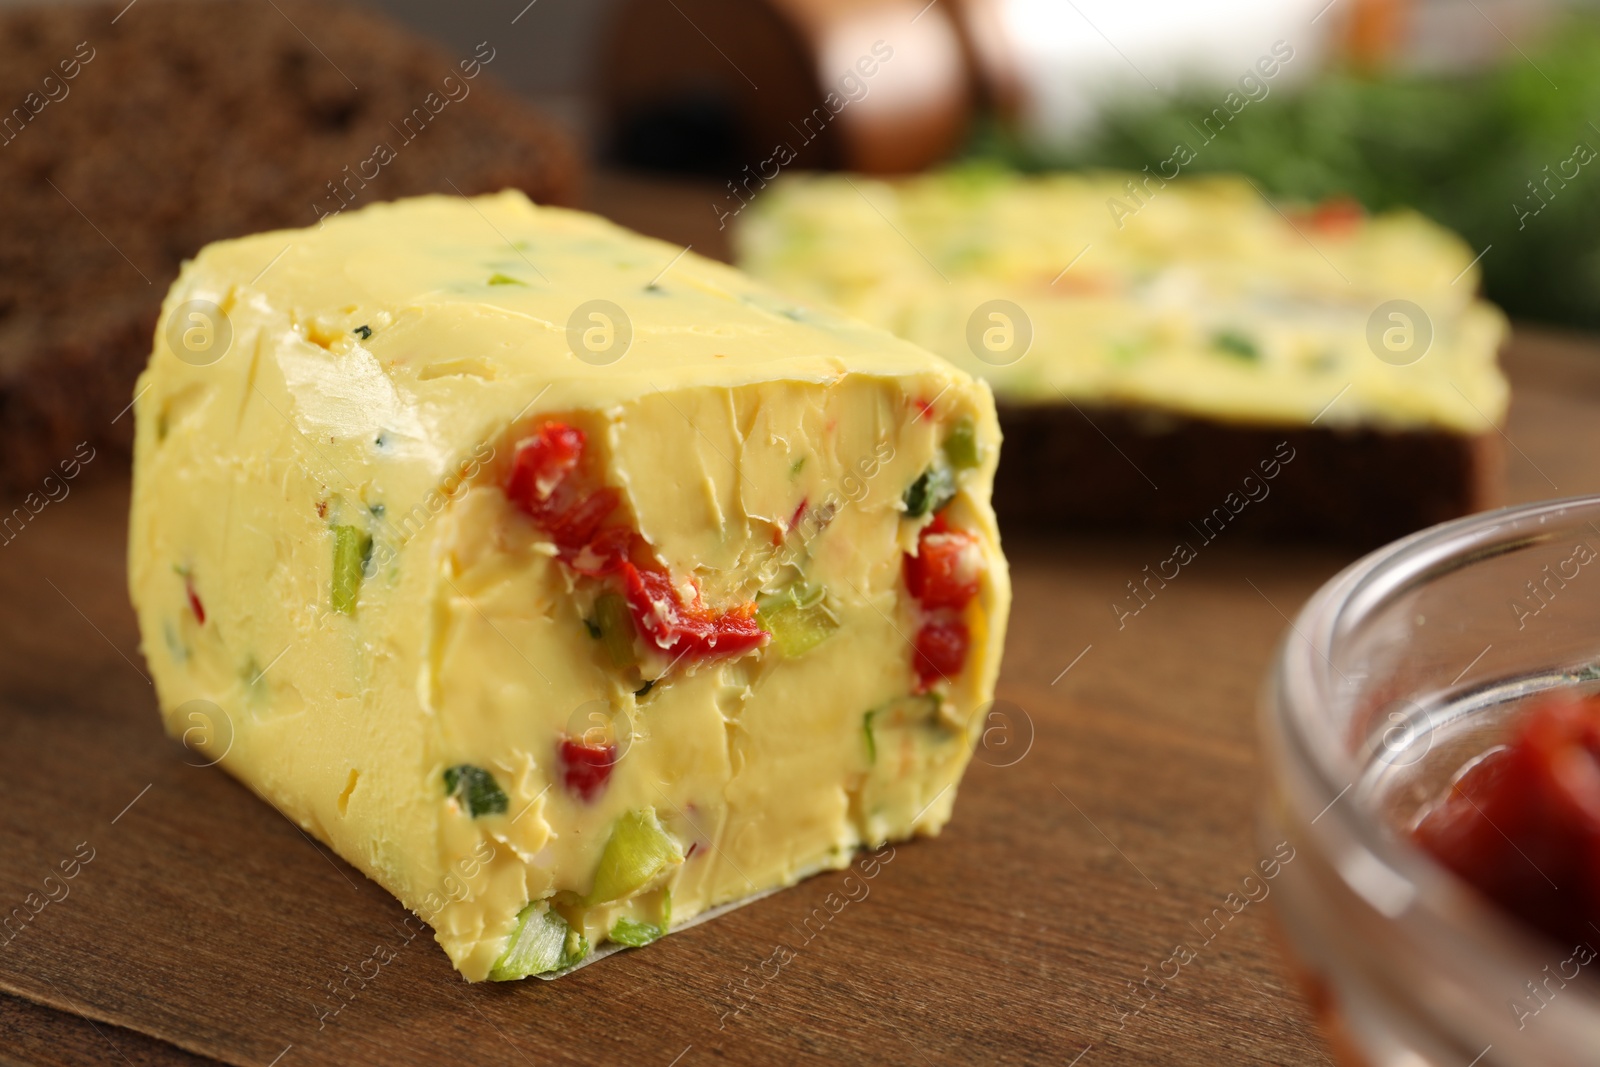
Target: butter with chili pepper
[(555, 577)]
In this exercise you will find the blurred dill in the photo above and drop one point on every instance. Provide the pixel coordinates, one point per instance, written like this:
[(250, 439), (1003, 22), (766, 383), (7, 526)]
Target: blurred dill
[(1459, 148)]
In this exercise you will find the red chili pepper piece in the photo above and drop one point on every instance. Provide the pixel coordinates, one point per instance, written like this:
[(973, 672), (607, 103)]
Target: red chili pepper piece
[(585, 769), (941, 650), (603, 554), (541, 484), (947, 569), (1338, 216), (1523, 824), (577, 524), (678, 628), (541, 463), (195, 606)]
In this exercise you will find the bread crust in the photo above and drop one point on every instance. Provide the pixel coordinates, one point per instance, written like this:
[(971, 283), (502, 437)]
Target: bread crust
[(1101, 467)]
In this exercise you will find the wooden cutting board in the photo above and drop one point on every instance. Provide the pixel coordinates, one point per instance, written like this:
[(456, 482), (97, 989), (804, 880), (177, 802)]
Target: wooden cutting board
[(1118, 811)]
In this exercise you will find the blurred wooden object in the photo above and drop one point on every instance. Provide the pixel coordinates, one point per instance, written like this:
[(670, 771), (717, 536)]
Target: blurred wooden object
[(879, 86), (991, 51)]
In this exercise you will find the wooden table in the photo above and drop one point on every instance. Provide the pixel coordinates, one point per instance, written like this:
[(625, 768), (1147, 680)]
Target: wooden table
[(206, 926)]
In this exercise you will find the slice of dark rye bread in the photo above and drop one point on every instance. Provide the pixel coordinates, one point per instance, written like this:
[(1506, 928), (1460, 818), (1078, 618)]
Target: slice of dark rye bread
[(131, 135), (1071, 467)]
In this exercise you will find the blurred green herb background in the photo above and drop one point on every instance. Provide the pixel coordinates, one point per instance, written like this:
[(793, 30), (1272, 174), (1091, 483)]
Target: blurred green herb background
[(1463, 149)]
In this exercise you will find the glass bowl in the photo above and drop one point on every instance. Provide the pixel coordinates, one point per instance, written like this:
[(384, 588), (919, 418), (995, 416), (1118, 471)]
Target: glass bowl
[(1401, 670)]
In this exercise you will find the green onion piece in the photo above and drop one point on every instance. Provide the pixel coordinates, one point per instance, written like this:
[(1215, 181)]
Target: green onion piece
[(476, 789), (1126, 352), (542, 942), (796, 618), (931, 491), (1236, 344), (504, 279), (351, 550), (616, 627), (639, 851), (799, 630), (635, 934), (961, 446), (922, 710), (793, 595)]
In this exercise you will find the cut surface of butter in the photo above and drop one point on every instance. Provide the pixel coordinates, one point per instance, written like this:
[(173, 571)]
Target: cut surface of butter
[(364, 549), (1195, 296)]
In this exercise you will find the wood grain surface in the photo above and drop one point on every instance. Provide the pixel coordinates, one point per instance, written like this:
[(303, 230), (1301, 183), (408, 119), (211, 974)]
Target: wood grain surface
[(1115, 812)]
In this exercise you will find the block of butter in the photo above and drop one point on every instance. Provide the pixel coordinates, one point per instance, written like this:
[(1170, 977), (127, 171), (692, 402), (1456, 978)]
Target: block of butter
[(567, 584)]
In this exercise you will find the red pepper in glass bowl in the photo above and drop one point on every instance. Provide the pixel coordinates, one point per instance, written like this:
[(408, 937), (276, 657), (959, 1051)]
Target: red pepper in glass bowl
[(1521, 823)]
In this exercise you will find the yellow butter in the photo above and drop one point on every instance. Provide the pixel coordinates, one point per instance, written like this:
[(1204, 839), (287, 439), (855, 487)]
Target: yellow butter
[(391, 651), (1195, 296)]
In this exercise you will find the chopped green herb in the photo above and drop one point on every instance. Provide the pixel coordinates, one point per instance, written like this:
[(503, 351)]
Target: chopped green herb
[(975, 179), (377, 510), (918, 710), (254, 678), (961, 446), (616, 628), (363, 332), (504, 279), (1236, 344), (541, 943), (796, 617), (1126, 352), (635, 934), (931, 491), (637, 853), (475, 789), (352, 549), (797, 466), (593, 628), (175, 645)]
